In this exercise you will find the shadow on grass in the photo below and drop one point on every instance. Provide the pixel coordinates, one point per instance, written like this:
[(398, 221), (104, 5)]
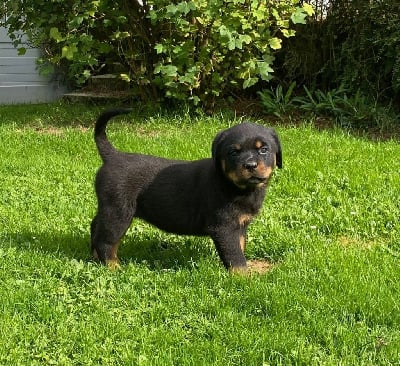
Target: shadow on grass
[(155, 254)]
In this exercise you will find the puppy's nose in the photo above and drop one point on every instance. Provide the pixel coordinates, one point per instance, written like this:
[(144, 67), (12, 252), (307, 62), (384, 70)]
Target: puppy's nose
[(249, 165)]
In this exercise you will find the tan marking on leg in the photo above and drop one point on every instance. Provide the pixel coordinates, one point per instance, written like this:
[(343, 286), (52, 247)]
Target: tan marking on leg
[(242, 243), (113, 262), (114, 250)]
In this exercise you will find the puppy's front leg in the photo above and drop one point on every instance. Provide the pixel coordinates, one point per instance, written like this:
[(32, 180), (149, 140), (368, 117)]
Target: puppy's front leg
[(230, 247)]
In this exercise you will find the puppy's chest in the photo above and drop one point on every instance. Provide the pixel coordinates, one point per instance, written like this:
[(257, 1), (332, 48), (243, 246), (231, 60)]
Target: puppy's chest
[(245, 218), (244, 212)]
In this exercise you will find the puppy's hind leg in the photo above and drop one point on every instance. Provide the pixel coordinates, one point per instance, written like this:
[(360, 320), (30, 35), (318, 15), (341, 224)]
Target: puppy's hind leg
[(108, 227)]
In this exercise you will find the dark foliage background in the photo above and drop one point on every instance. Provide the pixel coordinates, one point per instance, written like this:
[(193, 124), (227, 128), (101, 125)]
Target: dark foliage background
[(353, 44)]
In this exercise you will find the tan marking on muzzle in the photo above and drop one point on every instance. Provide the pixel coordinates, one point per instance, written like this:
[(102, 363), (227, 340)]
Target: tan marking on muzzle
[(235, 179), (264, 171)]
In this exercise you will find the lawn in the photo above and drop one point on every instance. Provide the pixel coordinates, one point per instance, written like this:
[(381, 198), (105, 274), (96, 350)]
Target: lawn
[(329, 228)]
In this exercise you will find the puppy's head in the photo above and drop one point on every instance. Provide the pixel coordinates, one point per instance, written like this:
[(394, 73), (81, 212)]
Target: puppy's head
[(247, 154)]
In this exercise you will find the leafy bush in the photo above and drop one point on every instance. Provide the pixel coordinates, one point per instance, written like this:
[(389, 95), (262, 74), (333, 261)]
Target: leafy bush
[(368, 51), (210, 48), (196, 49), (349, 110)]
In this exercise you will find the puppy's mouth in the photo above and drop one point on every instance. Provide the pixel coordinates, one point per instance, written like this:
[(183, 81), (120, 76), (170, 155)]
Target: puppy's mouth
[(257, 180), (250, 179)]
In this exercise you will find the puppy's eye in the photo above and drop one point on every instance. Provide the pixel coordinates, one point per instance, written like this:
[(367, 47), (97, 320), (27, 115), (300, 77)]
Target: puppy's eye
[(263, 150), (234, 151)]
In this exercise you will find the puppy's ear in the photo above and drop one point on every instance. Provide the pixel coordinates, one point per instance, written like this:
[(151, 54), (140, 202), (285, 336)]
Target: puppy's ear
[(216, 145), (278, 149)]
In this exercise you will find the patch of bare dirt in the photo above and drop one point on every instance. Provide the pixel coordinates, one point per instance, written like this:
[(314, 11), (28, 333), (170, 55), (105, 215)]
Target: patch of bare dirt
[(347, 242), (259, 266)]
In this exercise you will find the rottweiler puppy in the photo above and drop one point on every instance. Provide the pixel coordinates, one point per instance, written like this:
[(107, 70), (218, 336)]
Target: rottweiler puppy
[(216, 197)]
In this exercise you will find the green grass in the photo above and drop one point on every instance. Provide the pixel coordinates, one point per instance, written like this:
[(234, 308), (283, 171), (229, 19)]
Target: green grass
[(330, 225)]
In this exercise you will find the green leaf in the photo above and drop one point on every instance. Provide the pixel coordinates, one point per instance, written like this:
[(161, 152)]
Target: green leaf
[(259, 14), (288, 32), (86, 74), (231, 44), (56, 35), (249, 82), (245, 38), (276, 14), (225, 32), (238, 43), (185, 7), (196, 100), (68, 52), (157, 69), (21, 51), (77, 21), (159, 48), (308, 9), (275, 43), (171, 10), (125, 77), (299, 16), (289, 92), (120, 35), (265, 69), (169, 70)]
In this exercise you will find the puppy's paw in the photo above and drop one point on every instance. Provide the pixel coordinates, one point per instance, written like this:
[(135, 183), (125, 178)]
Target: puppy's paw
[(113, 264), (238, 270)]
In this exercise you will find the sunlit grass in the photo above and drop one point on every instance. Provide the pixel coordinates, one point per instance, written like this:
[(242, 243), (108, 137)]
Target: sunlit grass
[(329, 226)]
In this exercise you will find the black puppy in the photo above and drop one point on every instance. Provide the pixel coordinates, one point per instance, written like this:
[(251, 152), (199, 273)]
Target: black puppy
[(217, 197)]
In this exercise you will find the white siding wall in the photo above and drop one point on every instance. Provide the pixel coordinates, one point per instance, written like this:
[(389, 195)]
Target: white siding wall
[(20, 81)]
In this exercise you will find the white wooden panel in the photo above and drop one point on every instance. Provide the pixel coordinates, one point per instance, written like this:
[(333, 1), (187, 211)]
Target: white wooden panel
[(18, 78), (17, 61), (13, 52), (36, 93), (18, 69), (4, 36), (20, 81)]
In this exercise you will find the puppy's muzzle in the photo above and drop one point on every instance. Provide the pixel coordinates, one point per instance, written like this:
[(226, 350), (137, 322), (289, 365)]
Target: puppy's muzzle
[(250, 164), (255, 171)]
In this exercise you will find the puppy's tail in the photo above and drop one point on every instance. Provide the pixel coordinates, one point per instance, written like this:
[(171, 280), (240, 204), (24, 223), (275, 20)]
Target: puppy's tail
[(103, 145)]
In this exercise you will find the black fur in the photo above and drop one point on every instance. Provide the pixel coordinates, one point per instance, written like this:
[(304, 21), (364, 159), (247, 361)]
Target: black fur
[(216, 197)]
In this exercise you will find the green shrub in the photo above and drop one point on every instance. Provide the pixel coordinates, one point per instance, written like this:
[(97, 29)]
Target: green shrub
[(348, 110), (211, 48), (195, 49), (277, 101)]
